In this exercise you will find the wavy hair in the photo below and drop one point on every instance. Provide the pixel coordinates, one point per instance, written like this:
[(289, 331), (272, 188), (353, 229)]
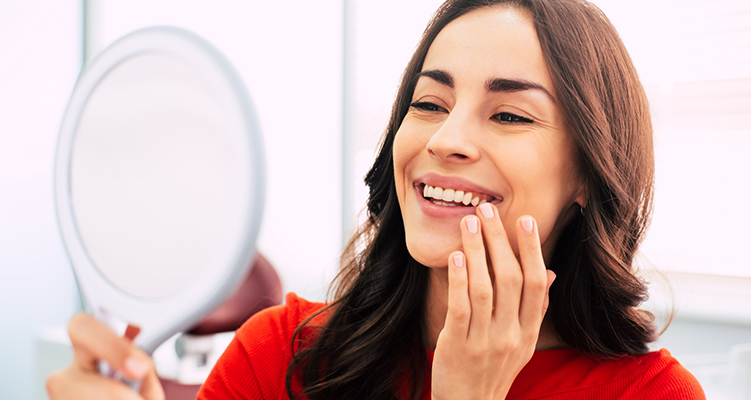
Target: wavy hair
[(371, 342)]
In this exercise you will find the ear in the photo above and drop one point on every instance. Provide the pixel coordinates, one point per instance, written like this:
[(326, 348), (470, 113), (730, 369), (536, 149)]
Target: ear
[(581, 196)]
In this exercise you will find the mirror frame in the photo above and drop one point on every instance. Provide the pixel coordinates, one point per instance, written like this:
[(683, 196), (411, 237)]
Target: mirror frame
[(163, 317)]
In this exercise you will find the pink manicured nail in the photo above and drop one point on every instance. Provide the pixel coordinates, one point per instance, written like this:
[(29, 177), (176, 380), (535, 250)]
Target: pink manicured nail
[(136, 366), (486, 210), (527, 224), (472, 224), (458, 260)]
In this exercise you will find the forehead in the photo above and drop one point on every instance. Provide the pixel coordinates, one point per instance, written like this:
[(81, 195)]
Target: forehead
[(490, 42)]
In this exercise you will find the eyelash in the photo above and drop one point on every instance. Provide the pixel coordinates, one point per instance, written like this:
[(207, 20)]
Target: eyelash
[(427, 106), (503, 117), (508, 118)]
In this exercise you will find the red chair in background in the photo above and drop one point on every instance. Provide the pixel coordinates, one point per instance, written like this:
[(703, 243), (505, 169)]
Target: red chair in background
[(261, 288)]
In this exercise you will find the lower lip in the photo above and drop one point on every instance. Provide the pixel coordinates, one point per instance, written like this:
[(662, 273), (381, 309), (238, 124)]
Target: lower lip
[(434, 210)]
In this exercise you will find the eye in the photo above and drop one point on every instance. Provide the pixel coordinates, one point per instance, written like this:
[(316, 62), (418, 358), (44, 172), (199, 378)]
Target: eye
[(505, 117), (427, 106)]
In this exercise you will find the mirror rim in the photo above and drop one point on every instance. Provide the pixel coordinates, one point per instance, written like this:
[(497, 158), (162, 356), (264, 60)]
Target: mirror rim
[(209, 288)]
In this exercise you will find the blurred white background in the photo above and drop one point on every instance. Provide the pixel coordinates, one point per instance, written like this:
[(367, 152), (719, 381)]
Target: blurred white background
[(323, 75)]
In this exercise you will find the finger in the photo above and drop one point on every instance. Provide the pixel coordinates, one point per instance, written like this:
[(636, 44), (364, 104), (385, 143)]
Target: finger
[(459, 311), (151, 388), (93, 341), (65, 385), (535, 277), (479, 283), (508, 275)]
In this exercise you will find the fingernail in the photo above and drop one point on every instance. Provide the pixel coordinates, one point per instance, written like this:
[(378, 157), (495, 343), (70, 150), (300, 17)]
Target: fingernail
[(458, 260), (486, 210), (527, 224), (135, 366), (472, 224)]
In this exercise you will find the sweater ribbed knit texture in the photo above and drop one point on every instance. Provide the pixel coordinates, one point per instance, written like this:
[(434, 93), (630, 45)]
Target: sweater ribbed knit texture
[(255, 363)]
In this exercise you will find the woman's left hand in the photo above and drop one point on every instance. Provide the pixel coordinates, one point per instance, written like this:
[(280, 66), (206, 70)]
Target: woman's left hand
[(492, 324)]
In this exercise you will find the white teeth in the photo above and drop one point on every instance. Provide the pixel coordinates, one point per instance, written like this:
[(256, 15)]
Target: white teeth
[(443, 196), (448, 195)]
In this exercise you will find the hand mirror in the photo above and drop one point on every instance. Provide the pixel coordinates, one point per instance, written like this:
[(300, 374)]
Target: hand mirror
[(159, 182)]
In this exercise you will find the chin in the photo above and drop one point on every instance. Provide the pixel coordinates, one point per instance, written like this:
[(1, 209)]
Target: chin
[(434, 254), (433, 262)]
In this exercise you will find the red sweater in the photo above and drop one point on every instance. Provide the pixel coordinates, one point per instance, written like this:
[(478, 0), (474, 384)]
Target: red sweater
[(255, 363)]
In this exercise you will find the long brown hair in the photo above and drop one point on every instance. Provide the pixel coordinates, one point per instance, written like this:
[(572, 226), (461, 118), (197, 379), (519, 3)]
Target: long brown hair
[(372, 340)]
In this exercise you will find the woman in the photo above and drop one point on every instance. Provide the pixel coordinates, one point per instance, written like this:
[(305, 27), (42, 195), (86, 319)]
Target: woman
[(519, 151)]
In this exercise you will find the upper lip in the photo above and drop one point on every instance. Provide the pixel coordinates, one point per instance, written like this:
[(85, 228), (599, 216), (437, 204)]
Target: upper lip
[(456, 183)]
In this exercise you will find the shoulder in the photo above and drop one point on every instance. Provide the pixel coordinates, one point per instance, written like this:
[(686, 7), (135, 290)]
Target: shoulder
[(663, 376), (276, 323), (573, 375), (254, 365)]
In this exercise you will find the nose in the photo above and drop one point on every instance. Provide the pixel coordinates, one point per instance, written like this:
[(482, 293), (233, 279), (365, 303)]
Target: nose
[(454, 142)]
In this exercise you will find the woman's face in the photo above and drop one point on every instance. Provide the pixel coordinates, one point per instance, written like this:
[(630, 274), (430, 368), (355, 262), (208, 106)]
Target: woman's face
[(485, 123)]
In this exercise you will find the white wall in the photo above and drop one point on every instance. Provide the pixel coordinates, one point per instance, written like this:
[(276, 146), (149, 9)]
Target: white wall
[(694, 60), (39, 62)]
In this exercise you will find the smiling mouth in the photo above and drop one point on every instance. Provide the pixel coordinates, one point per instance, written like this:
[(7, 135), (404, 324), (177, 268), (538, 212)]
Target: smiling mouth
[(454, 197)]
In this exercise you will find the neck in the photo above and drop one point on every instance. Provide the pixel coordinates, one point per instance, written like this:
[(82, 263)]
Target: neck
[(437, 306)]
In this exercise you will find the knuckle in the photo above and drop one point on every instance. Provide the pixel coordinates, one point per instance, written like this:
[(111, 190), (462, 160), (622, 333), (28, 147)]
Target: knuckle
[(53, 384), (76, 322), (516, 278), (529, 337), (509, 278), (482, 294), (475, 353), (502, 345), (537, 285), (460, 312), (444, 338)]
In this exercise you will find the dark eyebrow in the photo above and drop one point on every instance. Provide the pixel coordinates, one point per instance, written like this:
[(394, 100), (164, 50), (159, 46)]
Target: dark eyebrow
[(438, 76), (492, 85), (514, 85)]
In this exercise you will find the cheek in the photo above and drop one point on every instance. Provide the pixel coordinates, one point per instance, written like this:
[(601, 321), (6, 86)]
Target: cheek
[(428, 242), (406, 151), (399, 153), (544, 185)]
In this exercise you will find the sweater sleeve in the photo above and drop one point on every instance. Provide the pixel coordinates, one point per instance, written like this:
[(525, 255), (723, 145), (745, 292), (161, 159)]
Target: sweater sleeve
[(255, 363)]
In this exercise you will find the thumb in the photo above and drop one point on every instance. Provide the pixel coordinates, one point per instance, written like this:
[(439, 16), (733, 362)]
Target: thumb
[(551, 277)]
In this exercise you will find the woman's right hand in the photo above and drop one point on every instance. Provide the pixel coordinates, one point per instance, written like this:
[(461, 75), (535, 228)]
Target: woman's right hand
[(496, 305), (93, 341)]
